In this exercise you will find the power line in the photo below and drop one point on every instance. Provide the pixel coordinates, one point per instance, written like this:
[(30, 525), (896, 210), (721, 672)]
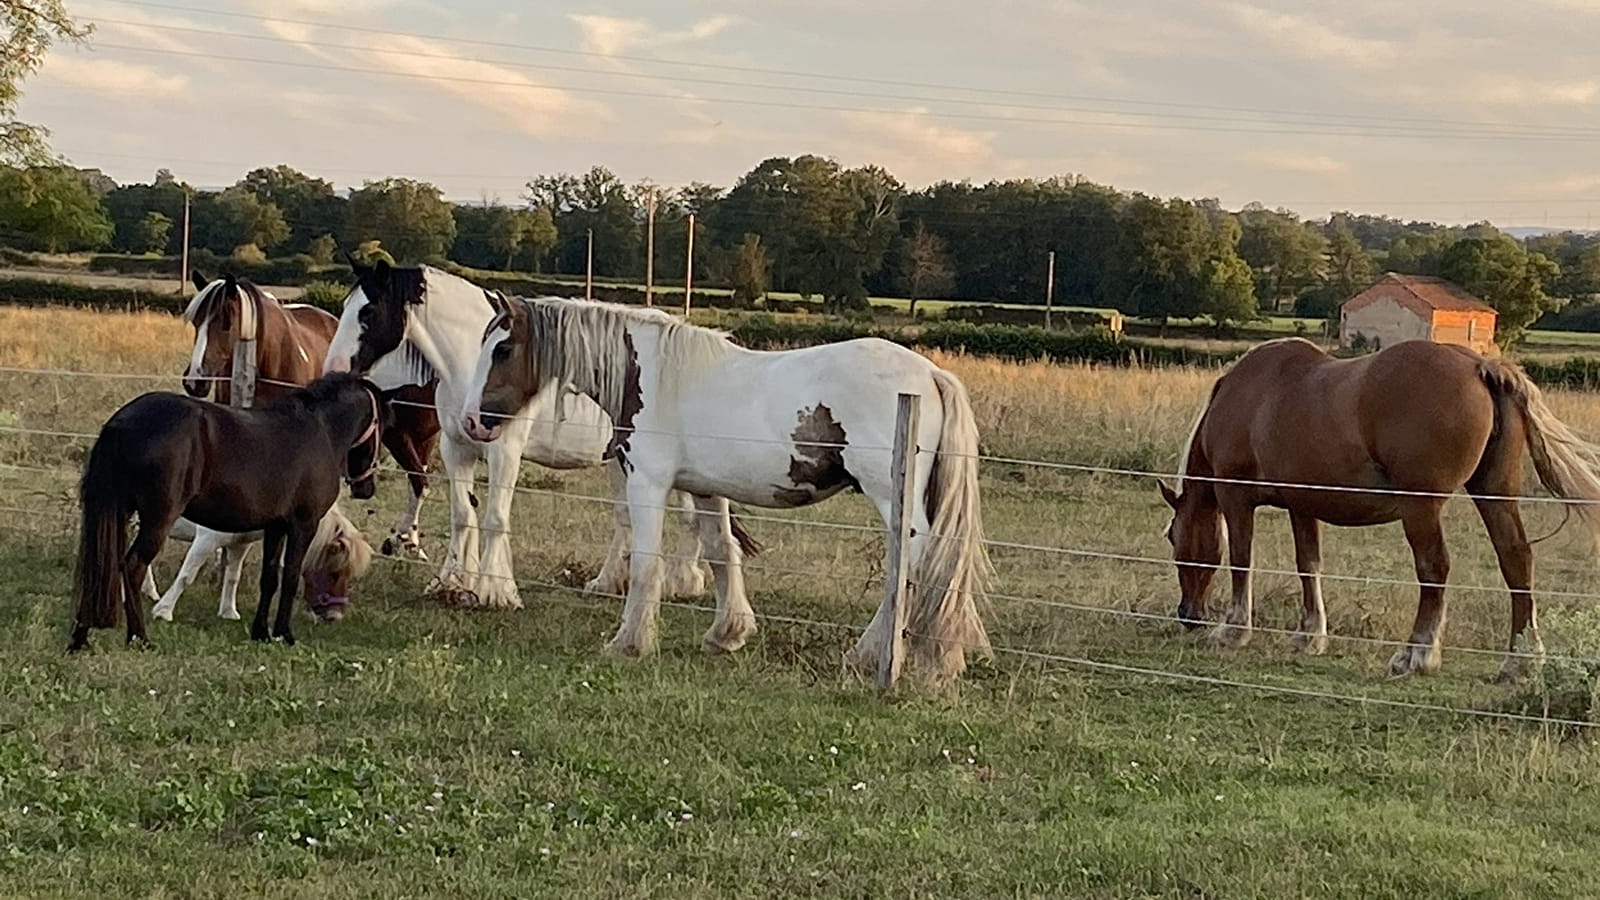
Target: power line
[(1516, 137), (1452, 130), (822, 76)]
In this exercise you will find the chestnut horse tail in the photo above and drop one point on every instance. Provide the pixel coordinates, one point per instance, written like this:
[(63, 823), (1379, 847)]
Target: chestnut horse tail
[(1568, 466), (951, 577), (103, 537)]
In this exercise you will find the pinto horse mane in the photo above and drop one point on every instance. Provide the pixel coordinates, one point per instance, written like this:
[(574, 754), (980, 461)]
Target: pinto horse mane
[(587, 344)]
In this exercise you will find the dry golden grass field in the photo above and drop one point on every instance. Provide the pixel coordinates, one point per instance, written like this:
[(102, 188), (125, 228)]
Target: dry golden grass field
[(412, 749)]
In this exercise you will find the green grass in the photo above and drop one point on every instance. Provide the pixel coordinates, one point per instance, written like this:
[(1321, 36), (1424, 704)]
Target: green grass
[(412, 750)]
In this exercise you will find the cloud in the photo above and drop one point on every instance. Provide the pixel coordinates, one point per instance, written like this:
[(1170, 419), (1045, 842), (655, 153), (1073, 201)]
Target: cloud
[(1521, 91), (1308, 37), (1297, 163), (114, 78), (915, 148), (613, 36)]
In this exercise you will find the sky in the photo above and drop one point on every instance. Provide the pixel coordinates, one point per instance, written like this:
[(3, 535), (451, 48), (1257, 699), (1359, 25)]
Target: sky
[(1450, 111)]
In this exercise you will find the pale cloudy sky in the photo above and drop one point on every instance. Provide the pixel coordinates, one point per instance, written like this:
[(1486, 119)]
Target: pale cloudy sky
[(1443, 109)]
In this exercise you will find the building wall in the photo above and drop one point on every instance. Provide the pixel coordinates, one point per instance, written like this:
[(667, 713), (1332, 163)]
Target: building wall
[(1386, 322), (1470, 329)]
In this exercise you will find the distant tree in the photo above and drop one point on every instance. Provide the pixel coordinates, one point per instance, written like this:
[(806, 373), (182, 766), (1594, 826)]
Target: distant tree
[(1507, 277), (249, 253), (749, 270), (1165, 246), (322, 249), (27, 29), (595, 201), (152, 233), (236, 216), (130, 203), (410, 218), (51, 209), (1420, 253), (539, 237), (309, 205), (925, 270), (1230, 290), (1349, 269), (1284, 253)]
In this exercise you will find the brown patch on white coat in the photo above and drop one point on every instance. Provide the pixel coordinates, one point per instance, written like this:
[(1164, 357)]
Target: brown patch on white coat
[(816, 469)]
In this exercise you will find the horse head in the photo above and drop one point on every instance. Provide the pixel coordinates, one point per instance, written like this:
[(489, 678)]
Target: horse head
[(216, 312), (339, 555), (1195, 533)]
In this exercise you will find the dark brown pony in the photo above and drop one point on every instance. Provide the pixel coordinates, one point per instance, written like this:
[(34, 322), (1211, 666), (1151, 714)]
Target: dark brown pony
[(1387, 437), (275, 469), (292, 341)]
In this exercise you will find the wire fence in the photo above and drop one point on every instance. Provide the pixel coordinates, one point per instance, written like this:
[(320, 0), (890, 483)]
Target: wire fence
[(1035, 654)]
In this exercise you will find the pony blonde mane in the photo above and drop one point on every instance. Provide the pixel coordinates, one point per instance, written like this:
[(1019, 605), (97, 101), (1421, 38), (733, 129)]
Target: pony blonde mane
[(586, 344), (338, 546)]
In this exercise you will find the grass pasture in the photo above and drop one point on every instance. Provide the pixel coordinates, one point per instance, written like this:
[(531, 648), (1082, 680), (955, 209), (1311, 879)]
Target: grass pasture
[(412, 750)]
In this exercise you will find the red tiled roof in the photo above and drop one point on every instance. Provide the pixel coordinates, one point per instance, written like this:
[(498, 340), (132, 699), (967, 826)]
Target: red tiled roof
[(1420, 293)]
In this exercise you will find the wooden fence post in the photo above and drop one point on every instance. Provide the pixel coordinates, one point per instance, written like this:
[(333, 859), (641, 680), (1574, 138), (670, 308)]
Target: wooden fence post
[(242, 391), (903, 473)]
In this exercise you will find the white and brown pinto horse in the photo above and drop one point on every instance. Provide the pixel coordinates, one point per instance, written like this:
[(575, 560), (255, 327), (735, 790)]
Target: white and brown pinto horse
[(1367, 441), (695, 412), (291, 345), (411, 325)]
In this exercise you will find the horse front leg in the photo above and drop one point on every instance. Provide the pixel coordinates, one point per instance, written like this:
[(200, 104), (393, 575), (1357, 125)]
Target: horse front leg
[(735, 622), (1237, 622), (455, 576), (1312, 636), (1425, 531), (612, 580), (271, 558), (636, 637), (497, 582), (294, 558), (406, 536)]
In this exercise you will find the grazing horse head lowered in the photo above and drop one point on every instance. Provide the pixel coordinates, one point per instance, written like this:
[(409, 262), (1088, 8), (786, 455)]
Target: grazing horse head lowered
[(1368, 441)]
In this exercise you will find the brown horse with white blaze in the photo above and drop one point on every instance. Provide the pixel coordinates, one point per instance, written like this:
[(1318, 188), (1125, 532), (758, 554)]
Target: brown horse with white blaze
[(291, 345), (1368, 441)]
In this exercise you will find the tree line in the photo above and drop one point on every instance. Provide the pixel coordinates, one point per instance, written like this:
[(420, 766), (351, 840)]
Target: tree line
[(811, 226)]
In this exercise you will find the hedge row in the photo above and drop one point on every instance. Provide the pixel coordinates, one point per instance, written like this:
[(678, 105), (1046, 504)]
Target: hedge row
[(763, 331), (287, 270)]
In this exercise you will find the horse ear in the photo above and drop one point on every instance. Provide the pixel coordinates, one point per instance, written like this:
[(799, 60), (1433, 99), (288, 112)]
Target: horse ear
[(1167, 494), (497, 302), (198, 280)]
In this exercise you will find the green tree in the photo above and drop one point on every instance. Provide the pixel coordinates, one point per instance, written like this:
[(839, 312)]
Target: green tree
[(750, 270), (128, 205), (152, 233), (236, 216), (539, 237), (1349, 271), (1230, 290), (596, 201), (1507, 277), (1285, 255), (27, 29), (1166, 246), (309, 205), (411, 219), (51, 209)]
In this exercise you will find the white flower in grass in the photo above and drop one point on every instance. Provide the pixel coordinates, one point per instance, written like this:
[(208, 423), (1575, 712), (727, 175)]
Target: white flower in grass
[(859, 786)]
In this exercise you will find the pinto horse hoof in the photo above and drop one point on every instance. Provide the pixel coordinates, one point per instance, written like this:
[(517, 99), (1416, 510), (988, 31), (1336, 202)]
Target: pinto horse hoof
[(1309, 644), (1228, 637), (1414, 659)]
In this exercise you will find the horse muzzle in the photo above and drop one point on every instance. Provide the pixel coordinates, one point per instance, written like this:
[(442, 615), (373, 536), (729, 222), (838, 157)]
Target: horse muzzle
[(197, 387), (482, 426), (1189, 616), (329, 608)]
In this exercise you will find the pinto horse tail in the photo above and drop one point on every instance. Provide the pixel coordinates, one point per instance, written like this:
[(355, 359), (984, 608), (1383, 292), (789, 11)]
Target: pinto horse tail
[(951, 576), (103, 537), (1568, 466)]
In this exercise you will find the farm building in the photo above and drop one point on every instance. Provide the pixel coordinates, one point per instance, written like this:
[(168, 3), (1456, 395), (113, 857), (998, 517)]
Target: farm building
[(1416, 307)]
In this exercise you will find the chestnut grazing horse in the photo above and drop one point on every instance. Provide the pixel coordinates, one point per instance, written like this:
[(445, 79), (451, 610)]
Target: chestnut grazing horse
[(292, 342), (275, 469), (1368, 441)]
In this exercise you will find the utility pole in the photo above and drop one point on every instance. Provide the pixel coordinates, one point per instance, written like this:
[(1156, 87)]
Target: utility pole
[(688, 274), (650, 247), (1049, 289), (588, 272), (183, 276)]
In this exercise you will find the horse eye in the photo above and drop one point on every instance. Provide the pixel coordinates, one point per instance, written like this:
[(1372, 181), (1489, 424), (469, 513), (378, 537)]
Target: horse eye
[(501, 353)]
